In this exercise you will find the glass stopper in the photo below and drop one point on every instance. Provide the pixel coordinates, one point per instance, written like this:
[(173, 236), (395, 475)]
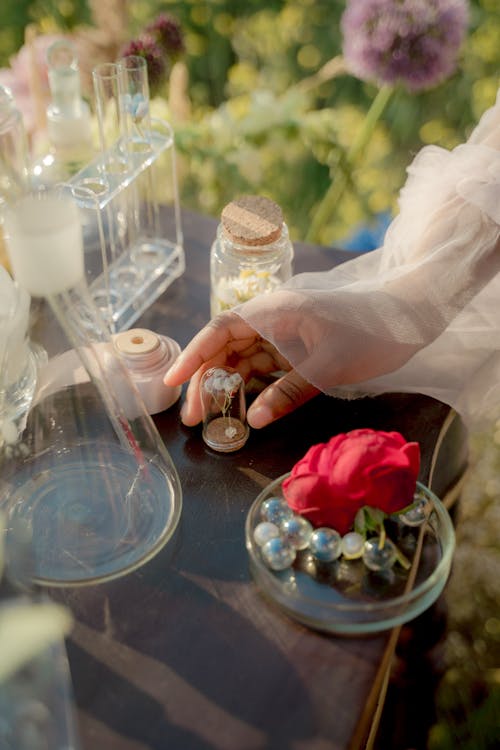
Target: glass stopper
[(222, 393)]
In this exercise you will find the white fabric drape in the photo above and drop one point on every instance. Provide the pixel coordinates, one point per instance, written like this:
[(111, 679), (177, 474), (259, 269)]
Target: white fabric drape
[(421, 313)]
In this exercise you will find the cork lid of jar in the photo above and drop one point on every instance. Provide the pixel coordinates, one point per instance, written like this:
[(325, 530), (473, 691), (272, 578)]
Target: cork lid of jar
[(136, 341), (252, 220)]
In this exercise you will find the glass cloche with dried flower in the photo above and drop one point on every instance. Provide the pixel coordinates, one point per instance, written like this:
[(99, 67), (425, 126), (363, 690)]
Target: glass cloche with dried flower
[(222, 394)]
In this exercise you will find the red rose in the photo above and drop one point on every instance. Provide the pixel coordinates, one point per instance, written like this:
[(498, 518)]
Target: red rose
[(362, 467)]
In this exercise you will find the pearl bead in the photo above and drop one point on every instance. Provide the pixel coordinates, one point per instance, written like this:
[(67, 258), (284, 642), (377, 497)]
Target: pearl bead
[(379, 558), (265, 531), (278, 554), (275, 510), (416, 514), (297, 531), (352, 545), (325, 544)]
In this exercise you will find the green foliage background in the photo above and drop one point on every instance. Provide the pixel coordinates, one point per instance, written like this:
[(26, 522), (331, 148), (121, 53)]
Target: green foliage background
[(254, 128)]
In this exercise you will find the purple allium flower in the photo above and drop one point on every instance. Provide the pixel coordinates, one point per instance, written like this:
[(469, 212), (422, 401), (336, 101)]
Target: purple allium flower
[(412, 42), (168, 33), (147, 47)]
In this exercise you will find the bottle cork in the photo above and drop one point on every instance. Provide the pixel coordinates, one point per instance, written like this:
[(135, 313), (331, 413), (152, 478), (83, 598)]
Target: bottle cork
[(252, 220)]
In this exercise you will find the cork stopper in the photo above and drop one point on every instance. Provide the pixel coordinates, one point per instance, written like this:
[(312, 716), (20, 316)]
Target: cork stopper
[(136, 341), (252, 220)]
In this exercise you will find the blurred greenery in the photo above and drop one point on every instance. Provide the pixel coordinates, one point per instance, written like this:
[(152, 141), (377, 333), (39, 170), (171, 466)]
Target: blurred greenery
[(257, 127)]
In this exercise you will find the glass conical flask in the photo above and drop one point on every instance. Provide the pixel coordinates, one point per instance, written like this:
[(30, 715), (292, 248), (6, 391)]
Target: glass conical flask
[(90, 481)]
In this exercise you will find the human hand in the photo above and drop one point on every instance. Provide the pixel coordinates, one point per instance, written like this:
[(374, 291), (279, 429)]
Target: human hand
[(229, 340)]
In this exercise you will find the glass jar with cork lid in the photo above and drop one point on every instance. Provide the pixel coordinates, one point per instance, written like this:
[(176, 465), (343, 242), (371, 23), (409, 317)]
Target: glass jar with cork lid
[(252, 252)]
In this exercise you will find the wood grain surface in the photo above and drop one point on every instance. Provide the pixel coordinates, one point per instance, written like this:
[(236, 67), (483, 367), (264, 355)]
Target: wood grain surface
[(185, 653)]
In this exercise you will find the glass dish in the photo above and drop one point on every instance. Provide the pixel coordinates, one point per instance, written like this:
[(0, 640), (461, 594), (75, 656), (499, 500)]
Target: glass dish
[(344, 596)]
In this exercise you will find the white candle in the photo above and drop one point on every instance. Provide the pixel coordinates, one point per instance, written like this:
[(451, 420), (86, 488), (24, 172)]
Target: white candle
[(44, 243)]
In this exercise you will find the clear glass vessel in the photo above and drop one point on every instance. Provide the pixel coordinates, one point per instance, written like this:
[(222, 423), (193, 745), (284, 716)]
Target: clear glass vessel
[(14, 172), (344, 596), (252, 253), (107, 80), (89, 481), (222, 393), (37, 709), (19, 359), (133, 250), (68, 119)]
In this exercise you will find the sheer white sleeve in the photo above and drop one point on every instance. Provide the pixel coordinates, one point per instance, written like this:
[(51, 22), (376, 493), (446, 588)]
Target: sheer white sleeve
[(421, 313)]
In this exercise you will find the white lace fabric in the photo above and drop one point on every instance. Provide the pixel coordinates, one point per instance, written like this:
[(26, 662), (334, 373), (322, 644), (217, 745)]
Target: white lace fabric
[(421, 313)]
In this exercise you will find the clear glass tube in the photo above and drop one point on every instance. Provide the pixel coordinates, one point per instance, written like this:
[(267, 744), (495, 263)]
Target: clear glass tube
[(135, 103), (138, 139), (222, 393), (100, 494), (107, 91)]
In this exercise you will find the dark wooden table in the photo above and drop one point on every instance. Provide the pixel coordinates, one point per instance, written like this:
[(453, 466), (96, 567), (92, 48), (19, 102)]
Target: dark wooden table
[(185, 653)]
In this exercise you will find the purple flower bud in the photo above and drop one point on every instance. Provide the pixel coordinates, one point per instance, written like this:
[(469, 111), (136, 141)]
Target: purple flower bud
[(168, 33), (146, 46), (412, 42)]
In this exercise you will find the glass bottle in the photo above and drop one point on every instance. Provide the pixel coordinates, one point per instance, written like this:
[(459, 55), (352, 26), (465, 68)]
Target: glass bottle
[(252, 252), (68, 119), (90, 481), (222, 394)]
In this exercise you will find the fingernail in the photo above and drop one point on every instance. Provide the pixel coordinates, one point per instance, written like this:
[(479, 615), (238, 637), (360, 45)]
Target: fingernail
[(260, 416), (169, 373)]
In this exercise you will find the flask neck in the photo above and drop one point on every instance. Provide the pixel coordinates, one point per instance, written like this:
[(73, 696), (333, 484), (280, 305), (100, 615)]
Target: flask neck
[(68, 115)]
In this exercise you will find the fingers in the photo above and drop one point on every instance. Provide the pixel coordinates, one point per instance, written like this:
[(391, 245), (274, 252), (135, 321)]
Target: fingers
[(229, 340), (252, 360), (192, 412), (226, 333), (280, 398)]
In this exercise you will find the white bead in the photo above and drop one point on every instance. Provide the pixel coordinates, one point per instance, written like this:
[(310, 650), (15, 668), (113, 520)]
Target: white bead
[(352, 545)]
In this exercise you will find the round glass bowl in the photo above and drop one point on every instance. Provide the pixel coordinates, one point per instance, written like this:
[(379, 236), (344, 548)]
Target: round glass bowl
[(344, 596)]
